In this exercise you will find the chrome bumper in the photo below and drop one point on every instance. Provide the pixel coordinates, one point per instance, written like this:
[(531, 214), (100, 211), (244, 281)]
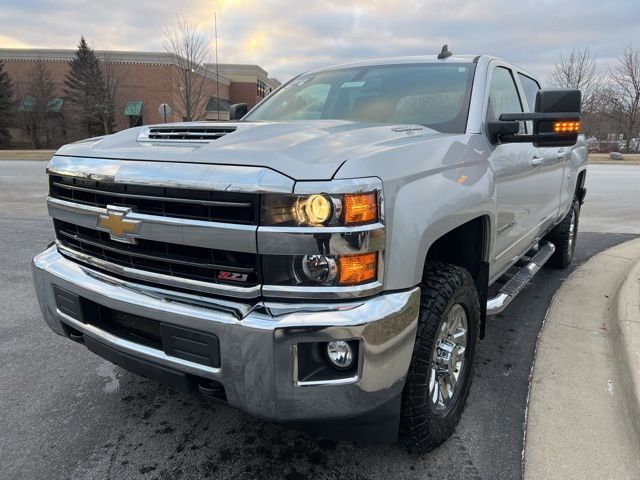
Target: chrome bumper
[(258, 343)]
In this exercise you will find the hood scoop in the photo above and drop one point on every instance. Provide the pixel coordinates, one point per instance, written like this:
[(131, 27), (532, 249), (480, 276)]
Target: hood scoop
[(183, 134)]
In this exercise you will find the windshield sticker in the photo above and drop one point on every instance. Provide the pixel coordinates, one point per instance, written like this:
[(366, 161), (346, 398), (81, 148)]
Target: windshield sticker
[(352, 84), (462, 69), (300, 81)]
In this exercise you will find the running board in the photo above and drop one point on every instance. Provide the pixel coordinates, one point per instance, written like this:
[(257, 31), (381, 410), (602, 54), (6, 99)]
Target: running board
[(516, 284)]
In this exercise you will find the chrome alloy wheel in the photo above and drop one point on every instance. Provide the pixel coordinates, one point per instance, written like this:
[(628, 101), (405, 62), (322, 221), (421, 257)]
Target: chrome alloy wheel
[(447, 360), (572, 229)]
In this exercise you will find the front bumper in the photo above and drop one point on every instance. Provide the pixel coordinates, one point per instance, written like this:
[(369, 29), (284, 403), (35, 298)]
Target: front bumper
[(258, 343)]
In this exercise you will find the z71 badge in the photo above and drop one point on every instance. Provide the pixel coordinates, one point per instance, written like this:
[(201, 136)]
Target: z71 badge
[(232, 276)]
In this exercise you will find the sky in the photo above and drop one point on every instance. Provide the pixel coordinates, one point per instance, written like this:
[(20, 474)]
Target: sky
[(287, 37)]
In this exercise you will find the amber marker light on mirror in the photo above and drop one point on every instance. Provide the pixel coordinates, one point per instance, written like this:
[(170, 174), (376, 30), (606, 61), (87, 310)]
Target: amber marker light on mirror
[(360, 208), (357, 269), (566, 127)]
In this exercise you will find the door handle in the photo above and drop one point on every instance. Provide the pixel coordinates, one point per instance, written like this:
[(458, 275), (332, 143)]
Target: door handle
[(536, 161), (560, 155)]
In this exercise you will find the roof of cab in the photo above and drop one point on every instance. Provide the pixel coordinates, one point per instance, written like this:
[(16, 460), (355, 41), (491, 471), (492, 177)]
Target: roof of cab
[(420, 59), (402, 60)]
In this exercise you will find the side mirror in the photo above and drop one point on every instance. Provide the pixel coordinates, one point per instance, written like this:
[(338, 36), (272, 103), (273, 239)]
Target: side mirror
[(556, 121), (561, 126), (237, 111)]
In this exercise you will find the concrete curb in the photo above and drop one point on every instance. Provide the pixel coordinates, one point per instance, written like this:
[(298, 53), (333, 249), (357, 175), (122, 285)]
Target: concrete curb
[(614, 162), (627, 339), (582, 416), (26, 154)]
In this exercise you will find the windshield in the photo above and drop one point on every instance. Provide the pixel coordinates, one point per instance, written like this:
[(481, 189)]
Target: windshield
[(435, 95)]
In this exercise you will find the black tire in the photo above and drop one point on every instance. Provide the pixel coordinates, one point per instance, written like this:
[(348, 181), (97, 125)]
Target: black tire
[(423, 424), (564, 237)]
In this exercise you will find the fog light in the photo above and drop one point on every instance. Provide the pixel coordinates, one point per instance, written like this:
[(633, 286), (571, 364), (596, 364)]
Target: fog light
[(340, 354)]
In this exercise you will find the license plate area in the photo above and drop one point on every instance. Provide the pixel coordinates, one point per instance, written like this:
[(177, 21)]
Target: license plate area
[(176, 341)]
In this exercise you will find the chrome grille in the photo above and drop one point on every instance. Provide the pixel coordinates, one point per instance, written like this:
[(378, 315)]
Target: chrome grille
[(194, 221), (181, 261), (211, 206)]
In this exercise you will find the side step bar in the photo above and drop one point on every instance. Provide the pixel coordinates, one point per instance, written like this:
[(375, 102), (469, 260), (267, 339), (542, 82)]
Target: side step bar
[(515, 285)]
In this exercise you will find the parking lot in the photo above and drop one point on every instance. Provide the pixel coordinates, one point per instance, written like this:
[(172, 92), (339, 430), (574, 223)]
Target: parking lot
[(68, 414)]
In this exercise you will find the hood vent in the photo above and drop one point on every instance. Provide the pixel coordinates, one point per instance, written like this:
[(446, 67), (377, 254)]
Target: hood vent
[(197, 134)]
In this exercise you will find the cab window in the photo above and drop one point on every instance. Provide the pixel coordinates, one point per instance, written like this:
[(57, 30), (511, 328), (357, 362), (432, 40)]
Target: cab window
[(530, 87)]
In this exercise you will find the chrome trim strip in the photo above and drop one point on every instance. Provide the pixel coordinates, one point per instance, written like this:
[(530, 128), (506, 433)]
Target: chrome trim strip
[(287, 291), (151, 197), (347, 185), (238, 308), (197, 233), (338, 381), (229, 178), (310, 240), (166, 280), (140, 350)]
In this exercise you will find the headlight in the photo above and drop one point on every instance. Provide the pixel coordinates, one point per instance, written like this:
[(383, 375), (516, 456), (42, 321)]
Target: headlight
[(321, 270), (320, 209), (315, 210)]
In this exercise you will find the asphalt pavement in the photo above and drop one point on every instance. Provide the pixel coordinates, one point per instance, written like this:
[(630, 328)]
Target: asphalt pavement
[(68, 414), (613, 199)]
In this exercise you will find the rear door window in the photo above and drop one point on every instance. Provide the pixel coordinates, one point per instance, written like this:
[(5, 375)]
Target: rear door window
[(530, 87)]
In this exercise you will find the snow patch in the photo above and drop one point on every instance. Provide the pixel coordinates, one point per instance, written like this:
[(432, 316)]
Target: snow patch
[(107, 371)]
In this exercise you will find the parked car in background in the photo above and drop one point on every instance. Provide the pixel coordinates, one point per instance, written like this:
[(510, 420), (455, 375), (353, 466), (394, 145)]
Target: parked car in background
[(606, 147)]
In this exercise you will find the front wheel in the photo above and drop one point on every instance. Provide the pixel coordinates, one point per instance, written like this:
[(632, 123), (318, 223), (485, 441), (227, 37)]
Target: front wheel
[(441, 369)]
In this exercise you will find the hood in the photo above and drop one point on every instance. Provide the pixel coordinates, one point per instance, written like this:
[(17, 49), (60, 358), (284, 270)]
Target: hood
[(302, 150)]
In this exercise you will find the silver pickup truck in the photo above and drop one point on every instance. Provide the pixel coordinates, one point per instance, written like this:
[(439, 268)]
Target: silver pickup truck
[(329, 258)]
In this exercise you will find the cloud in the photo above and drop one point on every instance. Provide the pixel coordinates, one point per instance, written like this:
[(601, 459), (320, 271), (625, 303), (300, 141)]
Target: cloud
[(287, 37)]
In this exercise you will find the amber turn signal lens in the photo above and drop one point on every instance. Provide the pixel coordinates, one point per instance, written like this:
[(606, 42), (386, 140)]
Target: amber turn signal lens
[(360, 208), (357, 269), (566, 127)]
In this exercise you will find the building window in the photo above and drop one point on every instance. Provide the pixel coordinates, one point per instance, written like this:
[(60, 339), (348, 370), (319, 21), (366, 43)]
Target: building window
[(135, 121), (263, 89), (133, 110)]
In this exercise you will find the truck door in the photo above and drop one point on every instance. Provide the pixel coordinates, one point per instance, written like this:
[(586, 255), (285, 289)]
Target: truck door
[(517, 189), (550, 167)]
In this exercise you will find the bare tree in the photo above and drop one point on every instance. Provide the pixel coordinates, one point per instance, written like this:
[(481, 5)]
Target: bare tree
[(625, 80), (107, 103), (579, 70), (34, 111), (190, 51), (6, 105)]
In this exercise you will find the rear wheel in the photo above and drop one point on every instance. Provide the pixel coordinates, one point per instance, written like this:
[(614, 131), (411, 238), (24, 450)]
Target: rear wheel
[(441, 370), (564, 236)]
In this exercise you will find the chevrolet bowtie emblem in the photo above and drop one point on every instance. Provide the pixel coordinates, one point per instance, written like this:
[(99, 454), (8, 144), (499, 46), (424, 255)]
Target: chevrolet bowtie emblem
[(120, 228)]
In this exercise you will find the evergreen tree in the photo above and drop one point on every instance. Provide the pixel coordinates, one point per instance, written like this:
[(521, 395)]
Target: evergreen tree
[(85, 91), (6, 114)]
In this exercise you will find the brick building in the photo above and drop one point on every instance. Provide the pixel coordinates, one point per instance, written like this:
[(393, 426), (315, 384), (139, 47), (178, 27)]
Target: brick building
[(144, 83), (250, 83)]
